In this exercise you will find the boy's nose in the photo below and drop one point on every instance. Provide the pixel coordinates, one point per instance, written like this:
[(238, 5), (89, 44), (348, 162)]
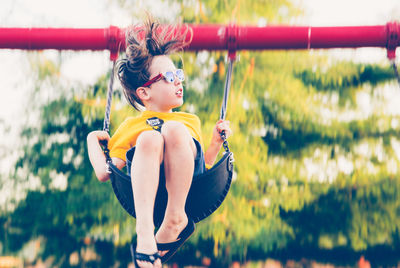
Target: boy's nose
[(176, 80)]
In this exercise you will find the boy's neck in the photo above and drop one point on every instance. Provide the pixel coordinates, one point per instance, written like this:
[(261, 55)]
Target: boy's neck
[(152, 109)]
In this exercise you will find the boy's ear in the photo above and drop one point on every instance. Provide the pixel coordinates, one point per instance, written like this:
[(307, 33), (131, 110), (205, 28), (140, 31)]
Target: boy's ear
[(143, 93)]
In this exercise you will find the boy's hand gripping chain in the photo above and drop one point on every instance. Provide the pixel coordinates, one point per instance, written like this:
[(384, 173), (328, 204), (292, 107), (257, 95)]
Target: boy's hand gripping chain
[(106, 124), (231, 59)]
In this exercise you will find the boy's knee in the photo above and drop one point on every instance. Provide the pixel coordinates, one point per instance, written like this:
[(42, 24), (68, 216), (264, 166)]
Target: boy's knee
[(173, 130), (150, 141)]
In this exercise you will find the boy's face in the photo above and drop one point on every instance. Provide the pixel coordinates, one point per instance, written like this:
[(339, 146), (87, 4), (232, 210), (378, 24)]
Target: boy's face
[(164, 96)]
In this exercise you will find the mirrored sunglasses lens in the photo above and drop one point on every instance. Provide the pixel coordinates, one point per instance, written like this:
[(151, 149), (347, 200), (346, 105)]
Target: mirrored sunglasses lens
[(180, 74), (169, 77)]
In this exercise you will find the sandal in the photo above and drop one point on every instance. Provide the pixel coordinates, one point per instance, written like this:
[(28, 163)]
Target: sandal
[(173, 247), (136, 256)]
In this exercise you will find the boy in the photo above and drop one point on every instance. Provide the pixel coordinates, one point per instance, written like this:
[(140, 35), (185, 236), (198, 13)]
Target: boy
[(157, 138)]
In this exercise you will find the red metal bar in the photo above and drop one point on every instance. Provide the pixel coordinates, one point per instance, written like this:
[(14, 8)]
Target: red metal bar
[(52, 38), (280, 37), (211, 37)]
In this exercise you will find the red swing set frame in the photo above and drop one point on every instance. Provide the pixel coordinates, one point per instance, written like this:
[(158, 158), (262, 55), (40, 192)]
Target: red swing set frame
[(212, 37), (205, 37)]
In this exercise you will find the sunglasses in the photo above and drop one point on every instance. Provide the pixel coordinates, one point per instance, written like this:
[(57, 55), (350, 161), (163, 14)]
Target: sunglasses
[(168, 76)]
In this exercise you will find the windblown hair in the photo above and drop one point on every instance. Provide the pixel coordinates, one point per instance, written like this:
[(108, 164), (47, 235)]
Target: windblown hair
[(143, 43)]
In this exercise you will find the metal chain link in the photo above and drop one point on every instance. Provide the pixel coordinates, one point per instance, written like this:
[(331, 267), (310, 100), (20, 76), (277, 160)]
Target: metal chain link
[(225, 101), (106, 124), (226, 89), (225, 143)]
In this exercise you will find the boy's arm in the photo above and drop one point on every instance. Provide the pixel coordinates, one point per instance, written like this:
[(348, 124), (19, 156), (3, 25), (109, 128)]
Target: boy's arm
[(216, 142), (97, 157), (211, 154)]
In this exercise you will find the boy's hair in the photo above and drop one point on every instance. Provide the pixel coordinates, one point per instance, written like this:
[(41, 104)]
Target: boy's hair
[(143, 43)]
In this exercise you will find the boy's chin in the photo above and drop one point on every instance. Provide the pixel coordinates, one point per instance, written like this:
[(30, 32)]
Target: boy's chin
[(179, 104)]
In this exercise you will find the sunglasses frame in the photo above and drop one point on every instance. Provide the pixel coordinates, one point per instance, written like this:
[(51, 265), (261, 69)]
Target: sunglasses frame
[(164, 76)]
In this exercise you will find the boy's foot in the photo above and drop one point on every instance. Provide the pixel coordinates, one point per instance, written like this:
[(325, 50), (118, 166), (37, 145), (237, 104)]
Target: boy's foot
[(140, 259), (146, 246), (171, 236)]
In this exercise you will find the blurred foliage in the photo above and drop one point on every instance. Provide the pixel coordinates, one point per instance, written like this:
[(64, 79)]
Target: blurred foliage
[(314, 169), (368, 217)]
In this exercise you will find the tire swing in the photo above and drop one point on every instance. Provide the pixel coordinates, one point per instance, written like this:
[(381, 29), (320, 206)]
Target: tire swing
[(208, 190)]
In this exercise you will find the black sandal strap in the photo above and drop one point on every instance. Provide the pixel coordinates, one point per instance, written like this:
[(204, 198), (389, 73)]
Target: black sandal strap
[(146, 257), (136, 256), (168, 246)]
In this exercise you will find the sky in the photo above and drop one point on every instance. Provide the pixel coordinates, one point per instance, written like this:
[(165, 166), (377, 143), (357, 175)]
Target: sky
[(350, 12), (14, 64)]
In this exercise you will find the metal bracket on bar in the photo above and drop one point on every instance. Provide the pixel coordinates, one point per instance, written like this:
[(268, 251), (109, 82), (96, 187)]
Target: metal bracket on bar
[(393, 39), (232, 40), (113, 43)]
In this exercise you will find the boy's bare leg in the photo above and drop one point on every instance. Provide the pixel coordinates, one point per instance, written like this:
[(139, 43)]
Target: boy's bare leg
[(179, 154), (145, 178)]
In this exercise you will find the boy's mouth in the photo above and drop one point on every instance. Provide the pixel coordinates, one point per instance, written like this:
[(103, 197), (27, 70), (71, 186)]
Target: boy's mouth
[(179, 93)]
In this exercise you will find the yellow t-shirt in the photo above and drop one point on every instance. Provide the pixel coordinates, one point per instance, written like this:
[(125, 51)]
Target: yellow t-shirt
[(127, 133)]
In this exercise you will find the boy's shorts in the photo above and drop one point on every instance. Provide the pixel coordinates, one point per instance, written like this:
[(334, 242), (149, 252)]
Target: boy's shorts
[(199, 162)]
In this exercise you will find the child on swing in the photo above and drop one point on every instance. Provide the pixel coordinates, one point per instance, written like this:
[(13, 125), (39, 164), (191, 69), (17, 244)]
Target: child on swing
[(156, 139)]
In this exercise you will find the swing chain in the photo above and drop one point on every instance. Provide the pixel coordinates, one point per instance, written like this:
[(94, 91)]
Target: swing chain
[(106, 123), (396, 72), (231, 59), (225, 143), (106, 152)]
